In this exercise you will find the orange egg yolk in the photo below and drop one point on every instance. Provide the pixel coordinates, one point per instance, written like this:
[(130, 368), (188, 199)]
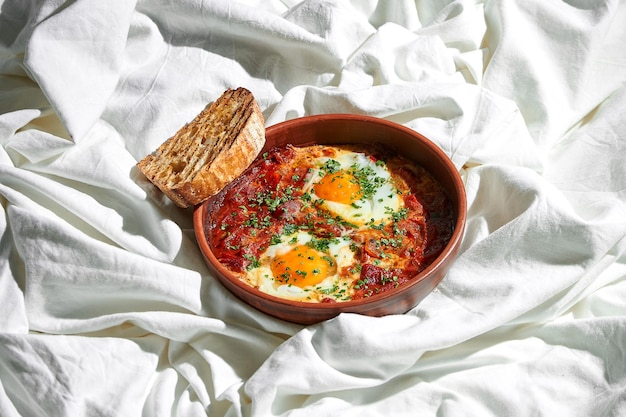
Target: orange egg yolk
[(302, 266), (340, 186)]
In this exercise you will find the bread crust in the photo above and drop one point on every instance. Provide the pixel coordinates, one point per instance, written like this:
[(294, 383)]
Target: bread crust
[(210, 151)]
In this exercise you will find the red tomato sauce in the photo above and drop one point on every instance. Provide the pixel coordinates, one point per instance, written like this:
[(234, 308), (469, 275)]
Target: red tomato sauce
[(267, 201)]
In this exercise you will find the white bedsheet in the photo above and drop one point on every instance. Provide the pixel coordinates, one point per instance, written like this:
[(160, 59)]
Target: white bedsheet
[(107, 309)]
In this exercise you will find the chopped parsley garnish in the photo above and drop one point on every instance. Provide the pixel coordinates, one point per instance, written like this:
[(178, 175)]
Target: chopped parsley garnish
[(367, 179), (401, 214), (329, 260), (328, 291), (252, 221), (306, 197), (360, 284), (289, 228), (331, 166), (254, 261), (272, 200), (322, 244), (275, 240), (394, 243)]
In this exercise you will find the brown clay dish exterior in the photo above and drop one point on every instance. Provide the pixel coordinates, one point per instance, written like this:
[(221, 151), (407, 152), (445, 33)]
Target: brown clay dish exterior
[(332, 129)]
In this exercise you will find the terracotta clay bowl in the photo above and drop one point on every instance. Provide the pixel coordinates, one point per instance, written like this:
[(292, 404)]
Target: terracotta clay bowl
[(333, 129)]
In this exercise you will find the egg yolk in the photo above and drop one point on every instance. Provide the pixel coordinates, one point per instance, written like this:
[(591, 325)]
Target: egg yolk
[(302, 266), (340, 186)]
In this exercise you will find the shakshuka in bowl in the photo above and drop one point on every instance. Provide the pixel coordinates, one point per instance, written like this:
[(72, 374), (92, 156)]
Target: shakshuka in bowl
[(339, 213)]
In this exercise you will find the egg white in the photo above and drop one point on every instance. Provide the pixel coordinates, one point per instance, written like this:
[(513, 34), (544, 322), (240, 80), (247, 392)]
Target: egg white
[(375, 209), (262, 277)]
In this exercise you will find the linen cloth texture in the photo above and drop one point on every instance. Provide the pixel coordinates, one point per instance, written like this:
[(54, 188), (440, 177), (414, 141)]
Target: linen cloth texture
[(107, 308)]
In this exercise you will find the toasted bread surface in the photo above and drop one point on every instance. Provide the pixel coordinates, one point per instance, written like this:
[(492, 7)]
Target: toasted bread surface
[(210, 151)]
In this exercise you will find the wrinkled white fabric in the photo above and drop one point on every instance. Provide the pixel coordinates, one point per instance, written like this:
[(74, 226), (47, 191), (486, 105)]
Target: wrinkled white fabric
[(106, 305)]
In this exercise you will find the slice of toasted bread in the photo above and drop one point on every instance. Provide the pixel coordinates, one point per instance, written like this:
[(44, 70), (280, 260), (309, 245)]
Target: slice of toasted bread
[(210, 151)]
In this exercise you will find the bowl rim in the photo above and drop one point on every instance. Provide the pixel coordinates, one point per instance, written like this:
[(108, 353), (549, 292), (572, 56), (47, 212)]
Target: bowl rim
[(199, 215)]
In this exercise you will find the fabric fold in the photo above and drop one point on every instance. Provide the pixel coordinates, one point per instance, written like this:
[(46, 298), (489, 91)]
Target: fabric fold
[(75, 56)]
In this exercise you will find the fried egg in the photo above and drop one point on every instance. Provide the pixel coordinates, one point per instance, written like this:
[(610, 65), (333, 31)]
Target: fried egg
[(301, 267), (354, 187)]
